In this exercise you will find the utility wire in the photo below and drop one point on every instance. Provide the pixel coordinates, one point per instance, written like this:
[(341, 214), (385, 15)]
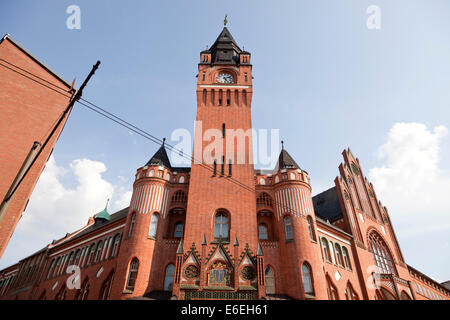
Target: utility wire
[(120, 121)]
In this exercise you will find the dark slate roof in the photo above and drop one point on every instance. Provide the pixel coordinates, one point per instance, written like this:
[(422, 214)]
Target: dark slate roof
[(225, 50), (160, 158), (327, 206), (286, 161), (181, 169), (99, 224)]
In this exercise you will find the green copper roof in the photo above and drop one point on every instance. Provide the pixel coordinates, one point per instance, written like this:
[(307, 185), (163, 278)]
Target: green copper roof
[(103, 214)]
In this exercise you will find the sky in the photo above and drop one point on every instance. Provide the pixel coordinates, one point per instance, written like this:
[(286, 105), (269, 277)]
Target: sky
[(321, 77)]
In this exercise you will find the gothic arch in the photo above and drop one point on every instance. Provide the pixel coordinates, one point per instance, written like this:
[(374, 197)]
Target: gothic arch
[(270, 279), (404, 296), (331, 288), (381, 253), (386, 294)]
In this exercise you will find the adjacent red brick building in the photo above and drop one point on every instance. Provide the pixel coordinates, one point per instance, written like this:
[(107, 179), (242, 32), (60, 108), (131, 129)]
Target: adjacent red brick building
[(28, 112), (224, 230)]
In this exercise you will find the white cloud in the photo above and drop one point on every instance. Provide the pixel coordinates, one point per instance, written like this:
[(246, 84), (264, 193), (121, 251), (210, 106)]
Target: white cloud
[(410, 182), (55, 209)]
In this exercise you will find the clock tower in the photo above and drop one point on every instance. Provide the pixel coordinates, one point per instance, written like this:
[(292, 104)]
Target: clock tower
[(220, 216)]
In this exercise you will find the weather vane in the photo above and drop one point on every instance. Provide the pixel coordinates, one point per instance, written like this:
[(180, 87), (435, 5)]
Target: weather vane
[(225, 21)]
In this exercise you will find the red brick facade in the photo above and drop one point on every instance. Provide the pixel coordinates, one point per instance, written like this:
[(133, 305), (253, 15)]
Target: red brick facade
[(228, 231), (28, 111)]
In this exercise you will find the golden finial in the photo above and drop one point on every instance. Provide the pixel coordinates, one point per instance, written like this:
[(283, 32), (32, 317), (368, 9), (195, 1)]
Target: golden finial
[(225, 21)]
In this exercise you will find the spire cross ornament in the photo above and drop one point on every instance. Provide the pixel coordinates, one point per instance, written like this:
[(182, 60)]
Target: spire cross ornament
[(225, 21)]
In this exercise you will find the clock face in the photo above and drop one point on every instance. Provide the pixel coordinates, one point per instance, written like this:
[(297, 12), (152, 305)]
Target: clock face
[(225, 78)]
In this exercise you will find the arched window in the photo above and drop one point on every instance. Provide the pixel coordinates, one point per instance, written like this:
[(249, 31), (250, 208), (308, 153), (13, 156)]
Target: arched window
[(350, 294), (76, 258), (181, 179), (346, 258), (132, 274), (168, 279), (116, 242), (277, 179), (105, 290), (312, 235), (221, 226), (84, 291), (262, 181), (153, 225), (339, 259), (99, 250), (132, 222), (288, 228), (292, 176), (332, 291), (151, 173), (326, 249), (62, 293), (381, 255), (50, 269), (262, 232), (91, 254), (270, 280), (168, 176), (178, 231), (58, 262), (307, 279)]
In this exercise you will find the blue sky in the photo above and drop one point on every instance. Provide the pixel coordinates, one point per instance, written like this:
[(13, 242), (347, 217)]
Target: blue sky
[(320, 76)]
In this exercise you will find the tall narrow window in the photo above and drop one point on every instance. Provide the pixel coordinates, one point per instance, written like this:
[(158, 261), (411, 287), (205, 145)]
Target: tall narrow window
[(132, 274), (245, 76), (204, 96), (50, 269), (346, 258), (203, 77), (168, 279), (153, 226), (215, 167), (229, 167), (326, 250), (228, 97), (312, 236), (99, 249), (116, 243), (332, 291), (220, 97), (221, 226), (222, 170), (178, 231), (307, 279), (133, 220), (106, 287), (338, 250), (262, 232), (223, 130), (288, 228), (270, 280)]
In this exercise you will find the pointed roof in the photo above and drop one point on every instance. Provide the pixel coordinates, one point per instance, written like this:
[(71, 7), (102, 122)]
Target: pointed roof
[(180, 247), (225, 49), (259, 251), (160, 158), (103, 214), (285, 160)]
